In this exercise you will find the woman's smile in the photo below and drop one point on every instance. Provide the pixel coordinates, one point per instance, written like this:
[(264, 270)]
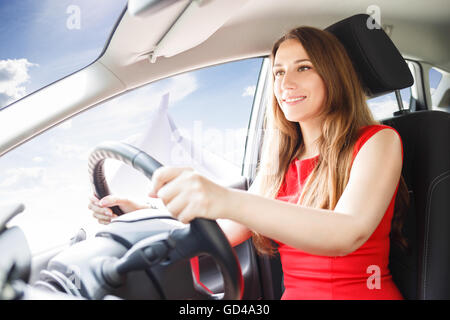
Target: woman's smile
[(292, 101)]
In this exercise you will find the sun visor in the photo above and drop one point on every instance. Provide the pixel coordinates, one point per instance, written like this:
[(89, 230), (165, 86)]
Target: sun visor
[(378, 62), (196, 24)]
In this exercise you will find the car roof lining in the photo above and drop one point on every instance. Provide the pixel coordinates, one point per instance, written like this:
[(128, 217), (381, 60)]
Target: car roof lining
[(252, 31)]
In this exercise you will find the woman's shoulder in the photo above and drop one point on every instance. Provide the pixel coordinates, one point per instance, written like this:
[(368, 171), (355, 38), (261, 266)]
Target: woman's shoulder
[(373, 128), (366, 132)]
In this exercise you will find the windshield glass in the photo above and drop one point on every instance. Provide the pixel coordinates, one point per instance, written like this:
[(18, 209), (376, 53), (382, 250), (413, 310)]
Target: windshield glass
[(43, 41)]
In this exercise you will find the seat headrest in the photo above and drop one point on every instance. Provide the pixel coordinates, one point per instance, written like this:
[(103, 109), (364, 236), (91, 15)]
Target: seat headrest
[(378, 62)]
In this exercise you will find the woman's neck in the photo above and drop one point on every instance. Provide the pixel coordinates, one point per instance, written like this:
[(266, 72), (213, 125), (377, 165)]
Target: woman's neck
[(310, 135)]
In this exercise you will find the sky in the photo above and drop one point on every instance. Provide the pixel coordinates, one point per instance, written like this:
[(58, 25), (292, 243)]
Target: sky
[(42, 41)]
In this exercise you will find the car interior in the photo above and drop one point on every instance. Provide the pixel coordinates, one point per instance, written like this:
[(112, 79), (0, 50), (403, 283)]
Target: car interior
[(235, 30)]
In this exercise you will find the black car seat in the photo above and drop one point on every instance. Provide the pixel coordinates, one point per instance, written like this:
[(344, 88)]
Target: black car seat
[(422, 271)]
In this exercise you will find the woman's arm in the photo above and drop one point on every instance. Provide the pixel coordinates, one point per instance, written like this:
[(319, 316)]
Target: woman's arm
[(374, 177), (236, 233), (316, 231)]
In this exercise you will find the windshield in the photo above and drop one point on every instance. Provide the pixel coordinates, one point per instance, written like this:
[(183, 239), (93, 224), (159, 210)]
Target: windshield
[(43, 41)]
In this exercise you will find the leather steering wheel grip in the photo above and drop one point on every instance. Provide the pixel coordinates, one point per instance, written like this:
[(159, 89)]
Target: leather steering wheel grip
[(208, 233), (119, 151)]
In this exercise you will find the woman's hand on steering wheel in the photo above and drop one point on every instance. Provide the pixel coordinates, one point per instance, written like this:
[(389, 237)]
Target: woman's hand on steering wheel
[(188, 195), (101, 208)]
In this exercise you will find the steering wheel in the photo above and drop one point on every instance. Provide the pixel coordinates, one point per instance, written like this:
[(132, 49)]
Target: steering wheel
[(204, 236)]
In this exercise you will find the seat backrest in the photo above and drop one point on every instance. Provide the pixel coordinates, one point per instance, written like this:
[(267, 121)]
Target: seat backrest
[(422, 272)]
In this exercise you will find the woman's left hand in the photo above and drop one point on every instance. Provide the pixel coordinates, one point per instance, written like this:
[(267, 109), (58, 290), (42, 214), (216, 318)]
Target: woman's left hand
[(188, 195)]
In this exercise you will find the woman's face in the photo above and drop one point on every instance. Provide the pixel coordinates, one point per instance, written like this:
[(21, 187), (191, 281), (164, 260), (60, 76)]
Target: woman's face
[(299, 89)]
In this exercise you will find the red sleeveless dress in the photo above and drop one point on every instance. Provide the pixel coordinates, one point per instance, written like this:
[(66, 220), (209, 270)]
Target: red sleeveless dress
[(362, 274)]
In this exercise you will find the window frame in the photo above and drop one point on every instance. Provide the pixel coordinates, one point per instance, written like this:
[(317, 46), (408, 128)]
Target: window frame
[(254, 132), (419, 87)]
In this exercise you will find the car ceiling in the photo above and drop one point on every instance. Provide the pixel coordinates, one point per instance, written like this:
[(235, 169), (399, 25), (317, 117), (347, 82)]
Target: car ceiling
[(248, 28)]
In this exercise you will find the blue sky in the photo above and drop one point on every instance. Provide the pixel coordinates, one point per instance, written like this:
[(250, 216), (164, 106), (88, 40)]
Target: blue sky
[(44, 33)]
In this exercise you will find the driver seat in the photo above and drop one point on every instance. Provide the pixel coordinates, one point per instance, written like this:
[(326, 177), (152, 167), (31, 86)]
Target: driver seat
[(422, 271)]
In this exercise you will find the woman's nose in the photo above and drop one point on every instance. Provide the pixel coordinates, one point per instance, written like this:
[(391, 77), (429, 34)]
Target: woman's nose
[(288, 82)]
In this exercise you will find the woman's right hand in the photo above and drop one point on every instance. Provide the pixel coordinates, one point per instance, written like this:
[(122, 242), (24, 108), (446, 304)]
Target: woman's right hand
[(101, 208)]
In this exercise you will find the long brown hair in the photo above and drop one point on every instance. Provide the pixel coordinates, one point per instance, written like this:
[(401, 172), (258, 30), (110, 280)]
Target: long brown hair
[(345, 112)]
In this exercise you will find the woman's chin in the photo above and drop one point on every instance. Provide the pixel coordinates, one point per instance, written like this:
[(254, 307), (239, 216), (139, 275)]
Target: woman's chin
[(299, 117), (295, 117)]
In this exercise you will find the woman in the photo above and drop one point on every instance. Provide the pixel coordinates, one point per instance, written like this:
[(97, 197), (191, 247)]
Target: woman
[(326, 185)]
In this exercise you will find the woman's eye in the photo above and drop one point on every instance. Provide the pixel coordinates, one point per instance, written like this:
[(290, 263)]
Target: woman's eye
[(278, 73)]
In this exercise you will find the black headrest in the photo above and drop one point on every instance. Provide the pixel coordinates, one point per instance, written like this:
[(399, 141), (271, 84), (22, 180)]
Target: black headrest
[(379, 64)]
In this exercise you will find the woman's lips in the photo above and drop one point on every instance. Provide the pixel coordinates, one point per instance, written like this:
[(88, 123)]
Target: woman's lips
[(294, 100)]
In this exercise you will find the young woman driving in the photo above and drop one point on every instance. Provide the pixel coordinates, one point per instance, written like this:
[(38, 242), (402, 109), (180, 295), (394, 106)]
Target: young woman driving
[(327, 183)]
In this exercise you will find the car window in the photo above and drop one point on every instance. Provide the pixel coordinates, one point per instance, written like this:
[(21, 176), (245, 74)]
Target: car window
[(439, 81), (198, 119), (43, 41), (384, 106), (435, 77)]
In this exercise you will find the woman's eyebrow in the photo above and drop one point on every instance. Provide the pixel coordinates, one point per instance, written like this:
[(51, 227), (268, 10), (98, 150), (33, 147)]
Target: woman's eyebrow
[(295, 62)]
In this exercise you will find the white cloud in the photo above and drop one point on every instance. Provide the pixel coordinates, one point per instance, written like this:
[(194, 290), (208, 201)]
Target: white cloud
[(142, 101), (181, 86), (38, 159), (249, 91), (25, 177), (384, 107), (55, 204), (13, 76), (71, 151)]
